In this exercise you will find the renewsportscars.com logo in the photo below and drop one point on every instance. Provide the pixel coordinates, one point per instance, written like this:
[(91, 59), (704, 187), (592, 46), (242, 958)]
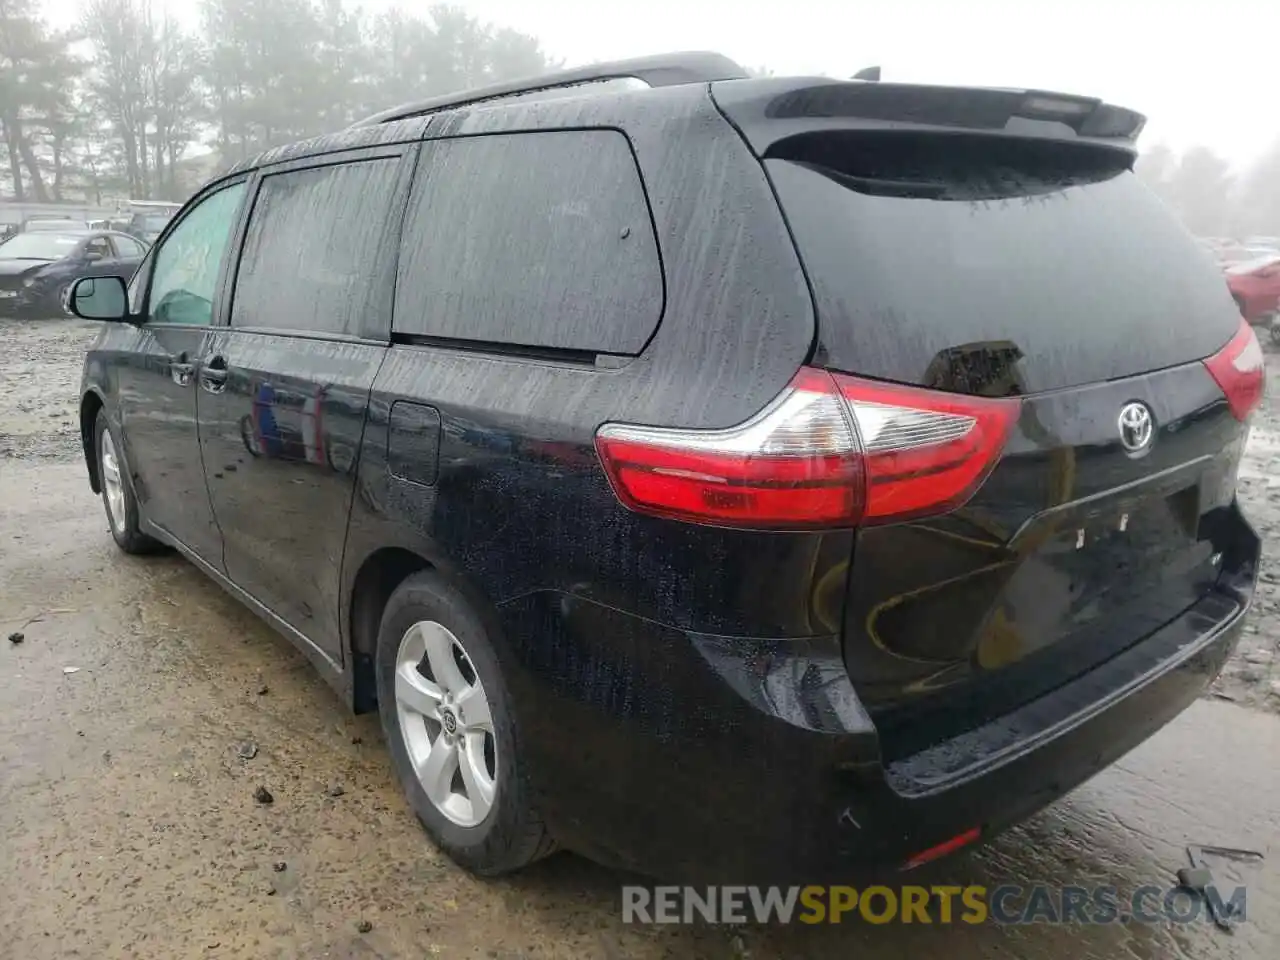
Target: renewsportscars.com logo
[(1009, 904)]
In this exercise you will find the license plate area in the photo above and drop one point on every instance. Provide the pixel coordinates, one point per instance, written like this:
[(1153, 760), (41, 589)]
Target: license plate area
[(1133, 520), (1171, 494), (1118, 551)]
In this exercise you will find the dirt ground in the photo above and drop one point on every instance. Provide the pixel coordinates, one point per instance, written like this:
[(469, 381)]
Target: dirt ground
[(128, 827)]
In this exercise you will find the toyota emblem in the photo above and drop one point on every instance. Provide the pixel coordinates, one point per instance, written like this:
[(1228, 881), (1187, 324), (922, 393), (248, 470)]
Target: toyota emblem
[(1137, 427)]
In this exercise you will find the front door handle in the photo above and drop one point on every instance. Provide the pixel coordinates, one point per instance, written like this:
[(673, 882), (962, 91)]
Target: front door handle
[(213, 376), (180, 369)]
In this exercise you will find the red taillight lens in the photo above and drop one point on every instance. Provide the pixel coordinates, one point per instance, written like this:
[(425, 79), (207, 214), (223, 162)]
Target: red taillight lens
[(924, 452), (1240, 370), (830, 451), (794, 464)]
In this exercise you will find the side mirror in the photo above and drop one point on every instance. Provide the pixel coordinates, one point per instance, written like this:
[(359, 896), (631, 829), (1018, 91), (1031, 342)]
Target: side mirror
[(92, 256), (99, 298)]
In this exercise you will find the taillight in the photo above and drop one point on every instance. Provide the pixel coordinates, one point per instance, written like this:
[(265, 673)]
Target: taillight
[(924, 452), (794, 464), (1240, 370), (830, 450)]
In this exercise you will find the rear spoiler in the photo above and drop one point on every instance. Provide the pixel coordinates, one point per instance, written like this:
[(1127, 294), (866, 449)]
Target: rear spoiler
[(772, 110)]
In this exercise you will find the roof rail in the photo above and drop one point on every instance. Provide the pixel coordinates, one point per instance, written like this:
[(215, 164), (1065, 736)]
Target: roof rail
[(661, 70)]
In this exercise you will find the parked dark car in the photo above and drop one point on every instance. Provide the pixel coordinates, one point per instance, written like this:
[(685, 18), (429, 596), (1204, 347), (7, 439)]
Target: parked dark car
[(735, 478), (37, 268)]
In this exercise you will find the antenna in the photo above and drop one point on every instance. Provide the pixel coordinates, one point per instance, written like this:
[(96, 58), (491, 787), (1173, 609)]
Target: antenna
[(867, 73)]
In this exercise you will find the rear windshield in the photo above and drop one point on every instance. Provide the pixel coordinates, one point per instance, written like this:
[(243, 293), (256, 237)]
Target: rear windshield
[(996, 270)]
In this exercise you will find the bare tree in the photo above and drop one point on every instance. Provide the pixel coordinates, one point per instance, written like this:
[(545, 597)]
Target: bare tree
[(258, 73), (1157, 165), (1198, 185), (36, 70), (119, 31), (176, 103), (1260, 195)]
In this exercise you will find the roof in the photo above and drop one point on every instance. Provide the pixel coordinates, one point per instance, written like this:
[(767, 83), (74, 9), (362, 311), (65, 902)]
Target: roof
[(660, 70), (765, 110), (77, 232)]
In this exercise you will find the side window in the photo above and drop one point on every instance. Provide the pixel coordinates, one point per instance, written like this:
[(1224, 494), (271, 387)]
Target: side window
[(98, 248), (530, 239), (128, 248), (184, 274), (310, 253)]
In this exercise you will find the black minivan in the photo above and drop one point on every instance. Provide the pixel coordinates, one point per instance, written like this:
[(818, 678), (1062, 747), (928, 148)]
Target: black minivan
[(724, 478)]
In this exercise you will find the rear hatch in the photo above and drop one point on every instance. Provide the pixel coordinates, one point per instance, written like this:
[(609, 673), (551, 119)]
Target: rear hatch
[(994, 250)]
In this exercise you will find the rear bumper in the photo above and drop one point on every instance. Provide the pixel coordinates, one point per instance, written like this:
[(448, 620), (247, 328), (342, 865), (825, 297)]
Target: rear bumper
[(706, 759), (999, 774)]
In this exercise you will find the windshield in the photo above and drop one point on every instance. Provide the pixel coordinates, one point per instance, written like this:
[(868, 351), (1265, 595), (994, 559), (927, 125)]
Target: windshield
[(38, 246)]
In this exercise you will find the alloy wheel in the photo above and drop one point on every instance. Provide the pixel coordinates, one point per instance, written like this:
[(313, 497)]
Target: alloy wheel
[(112, 484), (446, 723)]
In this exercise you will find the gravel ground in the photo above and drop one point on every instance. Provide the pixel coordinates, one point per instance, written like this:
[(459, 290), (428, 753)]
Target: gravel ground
[(1252, 677), (40, 387)]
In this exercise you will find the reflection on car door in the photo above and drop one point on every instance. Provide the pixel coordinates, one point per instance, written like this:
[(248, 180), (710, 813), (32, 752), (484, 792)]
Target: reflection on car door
[(286, 386), (156, 373)]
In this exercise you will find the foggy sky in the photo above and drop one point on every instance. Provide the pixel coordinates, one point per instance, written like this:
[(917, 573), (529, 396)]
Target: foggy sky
[(1203, 72)]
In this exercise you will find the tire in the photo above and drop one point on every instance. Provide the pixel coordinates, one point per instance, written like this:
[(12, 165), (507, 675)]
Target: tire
[(118, 498), (56, 310), (427, 614), (64, 300)]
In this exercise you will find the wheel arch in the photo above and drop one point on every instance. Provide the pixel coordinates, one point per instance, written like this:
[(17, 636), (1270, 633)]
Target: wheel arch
[(90, 405), (380, 572), (377, 578)]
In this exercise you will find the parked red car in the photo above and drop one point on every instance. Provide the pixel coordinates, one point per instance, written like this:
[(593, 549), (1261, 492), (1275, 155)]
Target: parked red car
[(1256, 288)]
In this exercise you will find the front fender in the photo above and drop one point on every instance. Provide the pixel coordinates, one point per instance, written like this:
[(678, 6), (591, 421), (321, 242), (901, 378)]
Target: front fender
[(47, 282)]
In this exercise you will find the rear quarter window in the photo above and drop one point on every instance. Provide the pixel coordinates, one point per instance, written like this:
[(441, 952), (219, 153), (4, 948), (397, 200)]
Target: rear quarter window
[(534, 239)]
